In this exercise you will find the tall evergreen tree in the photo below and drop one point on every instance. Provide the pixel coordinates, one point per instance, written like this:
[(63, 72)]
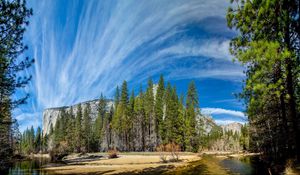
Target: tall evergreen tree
[(38, 140), (149, 112), (268, 43), (192, 110), (70, 130), (87, 130), (13, 21), (181, 129), (99, 123), (117, 97), (159, 109), (78, 129), (140, 119)]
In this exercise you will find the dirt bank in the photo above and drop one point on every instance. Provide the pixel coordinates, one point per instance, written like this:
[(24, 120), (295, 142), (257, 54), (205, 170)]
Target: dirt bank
[(125, 163)]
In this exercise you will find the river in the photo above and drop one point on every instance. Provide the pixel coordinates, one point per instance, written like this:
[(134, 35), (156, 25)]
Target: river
[(207, 165)]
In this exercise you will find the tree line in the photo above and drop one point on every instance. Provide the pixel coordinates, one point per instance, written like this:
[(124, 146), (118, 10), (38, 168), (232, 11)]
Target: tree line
[(142, 122), (133, 123)]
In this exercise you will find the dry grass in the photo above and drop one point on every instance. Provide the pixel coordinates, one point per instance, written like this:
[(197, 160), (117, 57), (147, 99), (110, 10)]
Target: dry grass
[(124, 163)]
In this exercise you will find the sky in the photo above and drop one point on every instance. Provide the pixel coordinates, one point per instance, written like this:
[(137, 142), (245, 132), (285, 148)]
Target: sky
[(85, 48)]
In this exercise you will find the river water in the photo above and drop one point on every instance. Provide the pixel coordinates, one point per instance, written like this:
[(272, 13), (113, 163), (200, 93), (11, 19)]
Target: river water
[(207, 165), (27, 167)]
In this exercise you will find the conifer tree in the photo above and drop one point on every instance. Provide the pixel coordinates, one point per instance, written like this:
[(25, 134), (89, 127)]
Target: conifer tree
[(117, 97), (99, 125), (38, 140), (124, 103), (168, 114), (159, 109), (130, 120), (31, 139), (267, 44), (87, 130), (149, 112), (141, 120), (78, 129), (192, 110), (13, 21), (70, 130), (181, 129)]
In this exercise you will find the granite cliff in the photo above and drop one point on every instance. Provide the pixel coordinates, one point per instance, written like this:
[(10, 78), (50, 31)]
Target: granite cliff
[(50, 115)]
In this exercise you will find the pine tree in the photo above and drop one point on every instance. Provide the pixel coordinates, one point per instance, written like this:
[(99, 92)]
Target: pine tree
[(181, 130), (149, 112), (120, 116), (70, 130), (31, 139), (159, 109), (192, 110), (117, 97), (140, 119), (58, 134), (266, 44), (78, 129), (130, 120), (99, 125), (168, 115), (124, 103), (38, 140), (14, 19), (87, 131)]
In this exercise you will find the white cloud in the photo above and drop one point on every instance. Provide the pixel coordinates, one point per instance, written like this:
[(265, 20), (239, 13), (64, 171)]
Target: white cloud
[(212, 111), (26, 120), (225, 122), (78, 58)]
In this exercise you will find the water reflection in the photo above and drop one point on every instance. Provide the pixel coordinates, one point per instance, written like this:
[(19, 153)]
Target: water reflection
[(27, 167), (246, 165), (250, 165)]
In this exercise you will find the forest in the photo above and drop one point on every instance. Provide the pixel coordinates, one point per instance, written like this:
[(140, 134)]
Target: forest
[(154, 117), (267, 44)]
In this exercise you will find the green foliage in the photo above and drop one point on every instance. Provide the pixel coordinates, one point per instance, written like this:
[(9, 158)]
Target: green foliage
[(87, 130), (100, 123), (266, 45), (192, 110), (155, 117), (78, 129), (159, 108), (14, 18)]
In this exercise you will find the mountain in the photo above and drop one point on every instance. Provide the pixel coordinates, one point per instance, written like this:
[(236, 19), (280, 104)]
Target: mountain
[(50, 115), (234, 127)]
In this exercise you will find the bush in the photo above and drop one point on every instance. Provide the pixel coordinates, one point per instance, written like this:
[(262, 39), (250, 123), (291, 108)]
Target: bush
[(171, 148), (174, 149), (112, 154), (162, 153), (59, 151)]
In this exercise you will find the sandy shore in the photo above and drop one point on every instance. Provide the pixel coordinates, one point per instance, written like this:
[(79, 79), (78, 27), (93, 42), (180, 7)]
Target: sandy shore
[(126, 163)]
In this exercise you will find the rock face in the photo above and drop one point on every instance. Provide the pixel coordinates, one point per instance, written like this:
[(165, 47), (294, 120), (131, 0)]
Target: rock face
[(208, 123), (234, 127), (51, 115)]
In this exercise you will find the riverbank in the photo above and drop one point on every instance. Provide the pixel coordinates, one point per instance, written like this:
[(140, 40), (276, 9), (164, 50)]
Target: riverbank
[(151, 163), (126, 163)]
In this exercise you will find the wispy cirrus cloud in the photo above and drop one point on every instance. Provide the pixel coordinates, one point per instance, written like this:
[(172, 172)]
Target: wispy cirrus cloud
[(83, 48), (216, 111)]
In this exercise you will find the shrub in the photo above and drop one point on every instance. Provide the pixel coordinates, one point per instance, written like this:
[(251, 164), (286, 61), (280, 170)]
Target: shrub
[(112, 154), (174, 149), (171, 148), (162, 153)]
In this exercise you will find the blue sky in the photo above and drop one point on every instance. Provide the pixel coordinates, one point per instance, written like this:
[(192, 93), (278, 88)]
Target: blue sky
[(83, 48)]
